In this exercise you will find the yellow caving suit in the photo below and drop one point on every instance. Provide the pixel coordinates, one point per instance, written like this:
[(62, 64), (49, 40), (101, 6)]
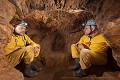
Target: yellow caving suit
[(20, 48), (94, 53)]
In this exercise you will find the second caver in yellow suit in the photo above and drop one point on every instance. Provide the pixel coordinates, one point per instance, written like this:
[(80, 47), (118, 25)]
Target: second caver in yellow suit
[(21, 48), (94, 53)]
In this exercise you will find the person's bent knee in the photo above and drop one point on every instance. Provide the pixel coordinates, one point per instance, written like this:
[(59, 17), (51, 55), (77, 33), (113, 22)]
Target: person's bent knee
[(75, 52), (73, 46), (29, 49), (84, 53)]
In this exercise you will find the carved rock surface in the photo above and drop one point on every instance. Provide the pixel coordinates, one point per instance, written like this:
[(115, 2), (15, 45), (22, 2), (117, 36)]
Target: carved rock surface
[(55, 25), (7, 11)]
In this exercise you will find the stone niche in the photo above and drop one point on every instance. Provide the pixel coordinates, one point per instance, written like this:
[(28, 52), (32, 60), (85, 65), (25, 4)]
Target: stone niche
[(55, 31)]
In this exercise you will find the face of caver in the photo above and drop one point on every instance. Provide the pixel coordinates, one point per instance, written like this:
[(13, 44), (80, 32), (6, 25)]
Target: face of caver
[(88, 30), (20, 30)]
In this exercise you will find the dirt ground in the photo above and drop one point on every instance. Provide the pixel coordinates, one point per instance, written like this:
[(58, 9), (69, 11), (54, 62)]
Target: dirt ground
[(107, 72), (66, 74)]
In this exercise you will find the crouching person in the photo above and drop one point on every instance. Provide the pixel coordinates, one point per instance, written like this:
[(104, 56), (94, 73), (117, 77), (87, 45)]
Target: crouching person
[(91, 49), (22, 48)]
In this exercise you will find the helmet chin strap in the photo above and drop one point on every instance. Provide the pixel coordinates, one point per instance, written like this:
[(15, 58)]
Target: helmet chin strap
[(89, 35)]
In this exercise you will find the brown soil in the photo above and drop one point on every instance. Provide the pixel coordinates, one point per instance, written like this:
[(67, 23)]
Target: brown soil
[(63, 73), (111, 71)]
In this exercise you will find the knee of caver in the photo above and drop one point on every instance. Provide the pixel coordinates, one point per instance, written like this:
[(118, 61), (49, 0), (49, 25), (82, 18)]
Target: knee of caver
[(83, 53), (29, 48), (73, 46)]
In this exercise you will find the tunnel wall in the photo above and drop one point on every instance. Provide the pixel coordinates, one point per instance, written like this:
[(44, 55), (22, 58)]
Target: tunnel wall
[(54, 24)]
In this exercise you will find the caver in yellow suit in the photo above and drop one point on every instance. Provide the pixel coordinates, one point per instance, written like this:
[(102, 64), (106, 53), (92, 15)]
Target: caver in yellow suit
[(21, 48), (91, 49), (94, 53)]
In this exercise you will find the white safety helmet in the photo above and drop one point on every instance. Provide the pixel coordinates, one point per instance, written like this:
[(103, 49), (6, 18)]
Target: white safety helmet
[(23, 23), (91, 22)]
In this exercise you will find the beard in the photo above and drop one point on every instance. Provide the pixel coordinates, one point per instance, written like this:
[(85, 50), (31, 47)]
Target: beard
[(21, 33)]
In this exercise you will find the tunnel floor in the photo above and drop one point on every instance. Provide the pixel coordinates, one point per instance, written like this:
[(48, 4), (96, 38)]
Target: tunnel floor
[(107, 72)]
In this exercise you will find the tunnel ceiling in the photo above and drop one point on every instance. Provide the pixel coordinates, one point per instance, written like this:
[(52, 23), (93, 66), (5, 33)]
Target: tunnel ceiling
[(55, 25)]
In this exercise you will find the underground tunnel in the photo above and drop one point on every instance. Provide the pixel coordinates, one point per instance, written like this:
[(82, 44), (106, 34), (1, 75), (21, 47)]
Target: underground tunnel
[(55, 25)]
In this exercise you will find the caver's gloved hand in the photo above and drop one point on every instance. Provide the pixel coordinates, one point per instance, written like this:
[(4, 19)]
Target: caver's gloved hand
[(80, 46)]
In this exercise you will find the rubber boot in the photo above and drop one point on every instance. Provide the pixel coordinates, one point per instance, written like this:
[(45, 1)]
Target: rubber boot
[(29, 72), (76, 66), (80, 73), (34, 66)]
